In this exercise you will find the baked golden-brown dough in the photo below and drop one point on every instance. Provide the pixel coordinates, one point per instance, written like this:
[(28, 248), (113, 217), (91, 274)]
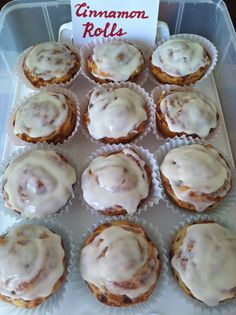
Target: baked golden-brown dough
[(50, 63), (39, 119), (123, 300)]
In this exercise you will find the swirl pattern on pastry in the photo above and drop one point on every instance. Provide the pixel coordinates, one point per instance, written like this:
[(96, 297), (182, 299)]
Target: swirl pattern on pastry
[(197, 175), (37, 183), (180, 57), (120, 261), (116, 61), (120, 112), (189, 112), (32, 260), (116, 180), (205, 261)]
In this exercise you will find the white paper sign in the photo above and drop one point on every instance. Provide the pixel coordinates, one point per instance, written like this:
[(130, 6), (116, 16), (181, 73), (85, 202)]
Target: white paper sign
[(131, 19)]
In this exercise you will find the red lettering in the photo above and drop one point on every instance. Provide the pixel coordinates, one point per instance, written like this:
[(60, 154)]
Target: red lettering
[(81, 6), (108, 31)]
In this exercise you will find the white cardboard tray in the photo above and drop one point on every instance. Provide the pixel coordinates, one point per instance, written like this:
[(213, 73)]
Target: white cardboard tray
[(78, 219)]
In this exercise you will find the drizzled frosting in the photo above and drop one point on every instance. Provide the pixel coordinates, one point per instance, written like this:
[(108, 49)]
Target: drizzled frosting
[(206, 262), (197, 175), (117, 179), (38, 183), (116, 61), (189, 112), (31, 262), (180, 57), (120, 111), (50, 60), (115, 259), (41, 115)]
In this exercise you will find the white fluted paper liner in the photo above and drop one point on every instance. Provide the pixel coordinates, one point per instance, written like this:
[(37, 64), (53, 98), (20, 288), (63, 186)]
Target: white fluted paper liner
[(210, 48), (55, 301), (156, 94), (172, 283), (73, 98), (227, 202), (87, 51), (19, 72), (155, 192), (132, 86), (41, 146), (142, 308)]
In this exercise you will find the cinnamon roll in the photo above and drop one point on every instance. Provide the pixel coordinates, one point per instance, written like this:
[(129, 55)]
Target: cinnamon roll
[(122, 115), (195, 177), (203, 262), (179, 61), (185, 112), (115, 62), (45, 117), (120, 264), (32, 265), (37, 183), (116, 183), (50, 63)]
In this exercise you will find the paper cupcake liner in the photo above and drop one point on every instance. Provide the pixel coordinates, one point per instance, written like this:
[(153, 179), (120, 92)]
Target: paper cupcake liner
[(223, 306), (226, 203), (156, 94), (19, 142), (156, 190), (54, 302), (87, 51), (132, 86), (22, 77), (210, 48), (13, 214), (142, 308)]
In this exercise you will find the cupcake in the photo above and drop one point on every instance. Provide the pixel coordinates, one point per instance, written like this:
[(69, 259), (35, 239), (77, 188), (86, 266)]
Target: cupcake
[(50, 63), (116, 183), (115, 61), (195, 177), (37, 183), (185, 112), (122, 112), (45, 117), (203, 262), (32, 265), (120, 264), (179, 61)]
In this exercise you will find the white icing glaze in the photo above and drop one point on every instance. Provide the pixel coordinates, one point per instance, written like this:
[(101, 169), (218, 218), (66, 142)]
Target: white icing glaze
[(179, 57), (119, 111), (31, 262), (189, 112), (125, 255), (41, 115), (206, 262), (195, 171), (38, 182), (116, 61), (49, 60), (118, 179)]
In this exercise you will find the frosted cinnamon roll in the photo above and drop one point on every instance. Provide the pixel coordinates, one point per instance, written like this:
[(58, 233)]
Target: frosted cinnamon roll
[(179, 61), (203, 262), (190, 113), (115, 62), (32, 265), (122, 115), (50, 63), (116, 183), (195, 177), (45, 117), (120, 264), (37, 183)]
